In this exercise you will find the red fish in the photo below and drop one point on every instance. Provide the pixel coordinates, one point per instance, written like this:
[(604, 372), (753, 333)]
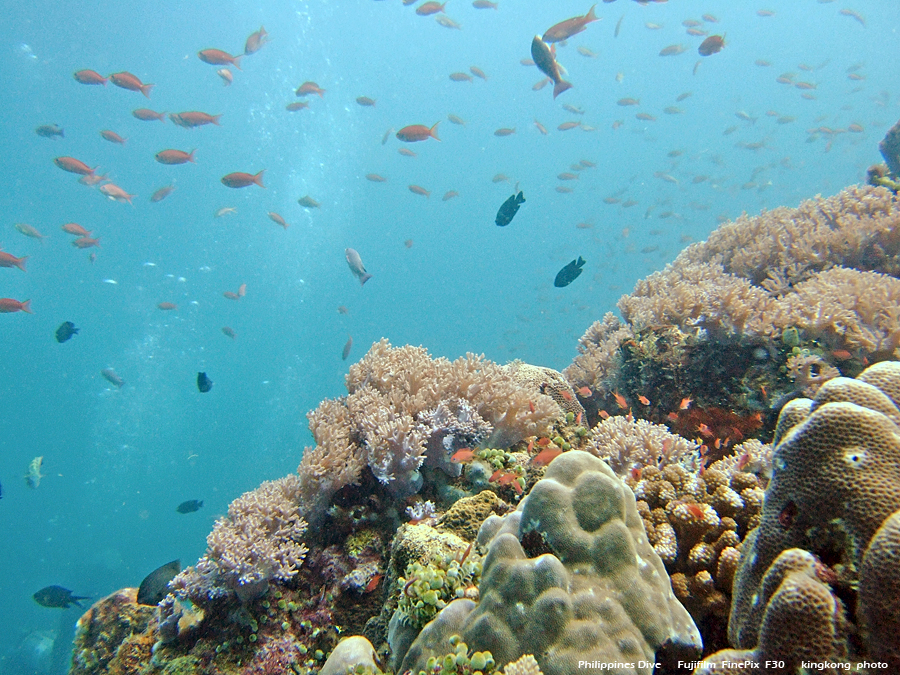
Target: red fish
[(73, 165), (643, 399), (216, 57), (9, 260), (546, 62), (116, 193), (256, 41), (76, 229), (86, 242), (429, 8), (193, 118), (8, 305), (462, 455), (162, 193), (147, 115), (546, 456), (309, 88), (705, 430), (584, 392), (112, 137), (711, 45), (685, 403), (418, 132), (566, 29), (620, 400), (126, 80), (696, 511), (543, 442), (239, 179), (89, 77), (635, 473), (373, 583), (566, 395), (175, 156)]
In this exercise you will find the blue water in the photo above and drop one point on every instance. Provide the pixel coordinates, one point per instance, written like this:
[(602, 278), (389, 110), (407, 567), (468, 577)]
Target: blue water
[(118, 462)]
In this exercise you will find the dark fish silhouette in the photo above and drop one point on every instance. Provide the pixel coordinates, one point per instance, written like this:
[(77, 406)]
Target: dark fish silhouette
[(57, 596), (509, 209), (50, 131), (347, 347), (189, 506), (155, 585), (204, 384), (569, 273), (65, 331)]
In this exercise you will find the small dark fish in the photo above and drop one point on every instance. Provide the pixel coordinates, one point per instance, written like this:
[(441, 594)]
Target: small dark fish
[(347, 348), (569, 273), (204, 384), (155, 585), (509, 209), (65, 331), (57, 596), (189, 506), (50, 131)]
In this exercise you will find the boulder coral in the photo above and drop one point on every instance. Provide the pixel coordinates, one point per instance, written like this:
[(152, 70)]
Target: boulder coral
[(832, 509), (569, 576)]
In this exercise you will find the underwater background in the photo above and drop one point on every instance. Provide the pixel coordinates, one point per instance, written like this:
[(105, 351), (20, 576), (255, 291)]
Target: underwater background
[(117, 462)]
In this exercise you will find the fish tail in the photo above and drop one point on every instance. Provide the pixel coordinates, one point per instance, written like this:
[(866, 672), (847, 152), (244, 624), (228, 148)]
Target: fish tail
[(590, 16), (433, 131), (215, 120), (364, 278), (26, 307), (258, 178), (560, 87), (145, 89), (235, 63), (191, 156), (21, 263)]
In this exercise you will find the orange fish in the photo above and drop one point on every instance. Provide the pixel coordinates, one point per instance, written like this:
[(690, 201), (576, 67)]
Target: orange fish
[(373, 583), (76, 229), (531, 406), (112, 137), (566, 395), (239, 179), (546, 456), (711, 45), (546, 63), (841, 354), (116, 193), (147, 115), (8, 305), (276, 218), (175, 156), (167, 306), (89, 77), (418, 132), (695, 510), (643, 399), (429, 8), (603, 414), (229, 332), (309, 88), (543, 442), (86, 242), (566, 29), (743, 461), (9, 260), (685, 403), (308, 202), (126, 80), (462, 455), (162, 193), (584, 392), (255, 41), (620, 400), (216, 57), (704, 429), (73, 165), (635, 473), (419, 190), (578, 418), (193, 118)]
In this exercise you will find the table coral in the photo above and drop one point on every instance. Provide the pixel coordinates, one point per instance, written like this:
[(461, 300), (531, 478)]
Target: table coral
[(590, 588), (835, 493)]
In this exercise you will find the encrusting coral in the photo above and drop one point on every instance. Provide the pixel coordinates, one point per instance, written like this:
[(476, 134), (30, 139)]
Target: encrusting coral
[(588, 588), (406, 410), (832, 509)]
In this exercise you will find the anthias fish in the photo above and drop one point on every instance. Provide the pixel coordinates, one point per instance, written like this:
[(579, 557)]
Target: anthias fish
[(204, 384), (569, 273), (509, 209)]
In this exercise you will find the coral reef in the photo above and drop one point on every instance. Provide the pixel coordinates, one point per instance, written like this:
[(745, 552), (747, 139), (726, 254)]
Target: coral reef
[(890, 149), (406, 410), (626, 444), (108, 636), (831, 512), (593, 590)]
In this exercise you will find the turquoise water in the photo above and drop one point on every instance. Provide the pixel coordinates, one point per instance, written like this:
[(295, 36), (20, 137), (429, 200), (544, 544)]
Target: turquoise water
[(118, 461)]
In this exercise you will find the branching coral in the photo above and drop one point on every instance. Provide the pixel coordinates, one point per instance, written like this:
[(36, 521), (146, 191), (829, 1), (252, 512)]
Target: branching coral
[(597, 350), (405, 409), (628, 444)]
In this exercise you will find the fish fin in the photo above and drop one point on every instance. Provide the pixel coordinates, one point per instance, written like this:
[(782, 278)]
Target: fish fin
[(433, 131), (560, 87), (21, 263), (258, 178), (235, 63), (26, 307), (364, 278), (590, 16), (145, 89)]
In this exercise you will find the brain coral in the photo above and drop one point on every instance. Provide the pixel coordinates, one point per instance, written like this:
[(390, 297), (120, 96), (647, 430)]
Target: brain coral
[(590, 587), (836, 483)]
